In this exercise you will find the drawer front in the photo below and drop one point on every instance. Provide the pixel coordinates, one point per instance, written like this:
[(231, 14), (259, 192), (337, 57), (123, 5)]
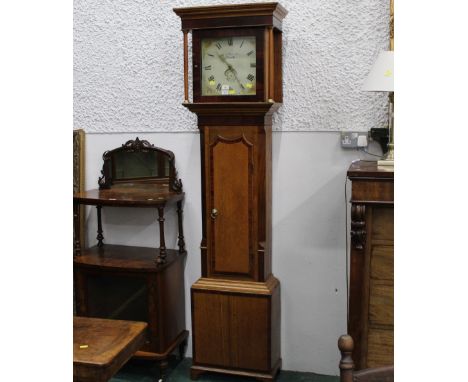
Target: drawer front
[(372, 191)]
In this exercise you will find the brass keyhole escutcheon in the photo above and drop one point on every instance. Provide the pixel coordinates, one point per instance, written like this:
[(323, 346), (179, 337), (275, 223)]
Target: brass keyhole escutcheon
[(214, 213)]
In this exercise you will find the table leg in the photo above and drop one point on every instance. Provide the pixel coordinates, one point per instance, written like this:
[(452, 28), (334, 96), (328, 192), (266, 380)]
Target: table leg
[(100, 236), (180, 215), (162, 242)]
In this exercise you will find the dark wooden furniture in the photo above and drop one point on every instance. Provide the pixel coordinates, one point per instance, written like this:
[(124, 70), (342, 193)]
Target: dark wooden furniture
[(347, 372), (370, 320), (101, 347), (236, 302), (130, 282)]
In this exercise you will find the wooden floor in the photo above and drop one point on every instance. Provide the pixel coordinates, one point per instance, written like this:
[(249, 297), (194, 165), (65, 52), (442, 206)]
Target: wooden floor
[(141, 371)]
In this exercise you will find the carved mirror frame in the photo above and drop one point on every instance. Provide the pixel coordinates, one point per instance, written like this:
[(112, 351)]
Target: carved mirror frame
[(108, 178)]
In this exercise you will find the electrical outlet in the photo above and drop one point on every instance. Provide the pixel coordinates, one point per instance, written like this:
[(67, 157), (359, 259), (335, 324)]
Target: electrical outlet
[(362, 141), (353, 139)]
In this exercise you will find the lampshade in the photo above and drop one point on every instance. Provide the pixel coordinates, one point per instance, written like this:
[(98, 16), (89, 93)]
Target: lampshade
[(380, 78)]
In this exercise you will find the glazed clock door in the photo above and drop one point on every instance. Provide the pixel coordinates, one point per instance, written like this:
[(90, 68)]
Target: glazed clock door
[(230, 203), (228, 65)]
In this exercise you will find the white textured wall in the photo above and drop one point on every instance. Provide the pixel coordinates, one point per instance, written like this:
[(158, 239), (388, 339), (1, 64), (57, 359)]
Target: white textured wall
[(128, 82), (128, 65)]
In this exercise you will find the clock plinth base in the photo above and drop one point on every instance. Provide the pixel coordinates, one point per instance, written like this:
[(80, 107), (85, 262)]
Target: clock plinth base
[(196, 371), (236, 327)]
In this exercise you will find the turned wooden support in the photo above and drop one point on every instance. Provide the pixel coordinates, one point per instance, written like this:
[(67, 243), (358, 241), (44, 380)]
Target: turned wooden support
[(76, 229), (162, 242), (271, 63), (346, 346), (186, 96), (180, 216), (100, 236), (347, 373), (267, 65)]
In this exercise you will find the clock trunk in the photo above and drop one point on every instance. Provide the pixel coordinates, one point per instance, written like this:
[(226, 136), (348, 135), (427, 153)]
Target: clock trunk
[(235, 178)]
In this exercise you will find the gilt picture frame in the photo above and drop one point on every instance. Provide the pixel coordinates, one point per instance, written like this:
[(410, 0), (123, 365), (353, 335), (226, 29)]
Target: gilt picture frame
[(79, 173)]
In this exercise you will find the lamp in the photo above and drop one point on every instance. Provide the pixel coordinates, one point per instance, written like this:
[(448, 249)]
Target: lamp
[(380, 79)]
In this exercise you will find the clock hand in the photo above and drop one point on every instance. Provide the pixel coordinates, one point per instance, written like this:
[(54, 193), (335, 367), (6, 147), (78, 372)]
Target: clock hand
[(221, 57), (230, 68), (234, 73), (237, 79)]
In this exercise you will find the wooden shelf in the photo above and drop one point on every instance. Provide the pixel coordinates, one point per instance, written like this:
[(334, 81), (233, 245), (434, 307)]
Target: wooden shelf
[(125, 258), (130, 195)]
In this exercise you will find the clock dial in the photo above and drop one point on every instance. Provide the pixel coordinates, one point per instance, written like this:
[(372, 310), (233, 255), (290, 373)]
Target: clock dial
[(228, 66)]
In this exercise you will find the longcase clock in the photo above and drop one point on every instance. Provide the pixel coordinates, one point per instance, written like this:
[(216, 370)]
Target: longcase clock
[(237, 86)]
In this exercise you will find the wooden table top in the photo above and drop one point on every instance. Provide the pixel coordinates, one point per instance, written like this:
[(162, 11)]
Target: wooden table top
[(132, 195), (366, 168), (101, 346)]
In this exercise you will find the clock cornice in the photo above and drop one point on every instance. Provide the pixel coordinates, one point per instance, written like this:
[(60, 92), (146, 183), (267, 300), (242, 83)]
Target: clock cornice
[(223, 16)]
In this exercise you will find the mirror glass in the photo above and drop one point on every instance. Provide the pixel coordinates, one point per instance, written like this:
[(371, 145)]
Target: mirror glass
[(129, 165)]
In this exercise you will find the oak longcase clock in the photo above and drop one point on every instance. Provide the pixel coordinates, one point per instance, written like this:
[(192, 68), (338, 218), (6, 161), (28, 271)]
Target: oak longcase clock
[(237, 86)]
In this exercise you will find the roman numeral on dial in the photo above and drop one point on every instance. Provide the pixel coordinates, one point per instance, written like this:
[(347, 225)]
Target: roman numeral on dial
[(218, 45), (218, 87), (251, 52), (253, 65), (210, 78), (250, 77), (208, 67), (230, 41)]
